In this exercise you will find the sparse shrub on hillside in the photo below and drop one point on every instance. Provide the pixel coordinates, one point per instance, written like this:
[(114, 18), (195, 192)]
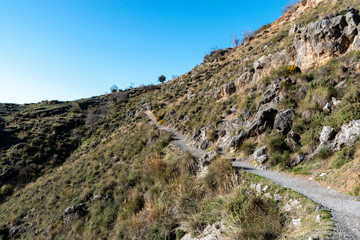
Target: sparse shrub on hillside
[(247, 36), (289, 5), (275, 142), (219, 171), (292, 69), (342, 157), (114, 89), (92, 119), (248, 147), (253, 218), (162, 79)]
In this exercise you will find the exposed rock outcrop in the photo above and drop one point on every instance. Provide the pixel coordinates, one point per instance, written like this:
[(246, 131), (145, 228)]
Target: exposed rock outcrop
[(283, 120), (262, 120), (327, 134), (225, 90), (348, 135), (260, 155), (328, 37), (266, 64)]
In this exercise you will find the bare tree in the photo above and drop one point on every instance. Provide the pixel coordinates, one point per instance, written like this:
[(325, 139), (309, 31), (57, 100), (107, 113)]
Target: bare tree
[(234, 40), (289, 5), (114, 88), (246, 36)]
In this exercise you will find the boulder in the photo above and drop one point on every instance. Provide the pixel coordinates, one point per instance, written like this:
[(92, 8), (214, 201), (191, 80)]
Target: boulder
[(298, 159), (326, 38), (244, 79), (293, 139), (206, 159), (335, 101), (238, 139), (271, 92), (260, 155), (225, 90), (263, 119), (327, 107), (266, 64), (262, 159), (74, 212), (260, 151), (327, 134), (348, 135), (284, 120)]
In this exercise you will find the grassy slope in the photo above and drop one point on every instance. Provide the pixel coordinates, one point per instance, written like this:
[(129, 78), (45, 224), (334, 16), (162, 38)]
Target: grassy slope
[(117, 155)]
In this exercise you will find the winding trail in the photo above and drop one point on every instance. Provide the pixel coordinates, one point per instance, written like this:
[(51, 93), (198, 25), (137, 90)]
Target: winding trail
[(345, 209)]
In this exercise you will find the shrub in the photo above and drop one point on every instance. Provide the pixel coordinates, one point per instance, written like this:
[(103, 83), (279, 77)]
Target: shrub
[(248, 147), (161, 122), (344, 156), (219, 171), (292, 69), (289, 5), (253, 218), (114, 88), (324, 153), (281, 159), (162, 79), (275, 142)]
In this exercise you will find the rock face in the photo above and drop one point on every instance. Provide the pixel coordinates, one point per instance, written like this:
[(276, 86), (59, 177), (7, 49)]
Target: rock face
[(260, 155), (262, 120), (283, 120), (348, 136), (266, 64), (225, 90), (238, 139), (206, 159), (271, 92), (74, 212), (328, 37), (327, 134), (293, 139), (298, 159)]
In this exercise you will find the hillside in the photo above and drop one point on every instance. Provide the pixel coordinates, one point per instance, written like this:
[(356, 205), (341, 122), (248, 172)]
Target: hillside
[(157, 162)]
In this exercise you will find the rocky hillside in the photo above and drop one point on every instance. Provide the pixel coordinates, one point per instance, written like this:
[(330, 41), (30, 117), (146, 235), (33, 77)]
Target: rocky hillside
[(286, 99)]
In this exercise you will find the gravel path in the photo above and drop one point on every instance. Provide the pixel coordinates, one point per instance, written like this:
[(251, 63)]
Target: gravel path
[(179, 140), (345, 209)]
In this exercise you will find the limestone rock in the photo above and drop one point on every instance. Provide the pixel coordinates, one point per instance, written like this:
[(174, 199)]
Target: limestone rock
[(327, 134), (326, 38), (206, 159), (271, 93), (283, 120), (74, 212), (238, 139), (260, 155), (225, 90), (244, 79), (266, 64), (260, 151), (296, 222), (263, 119), (293, 139), (348, 135), (298, 159)]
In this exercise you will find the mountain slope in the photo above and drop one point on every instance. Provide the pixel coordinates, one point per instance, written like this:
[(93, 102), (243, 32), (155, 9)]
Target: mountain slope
[(98, 168)]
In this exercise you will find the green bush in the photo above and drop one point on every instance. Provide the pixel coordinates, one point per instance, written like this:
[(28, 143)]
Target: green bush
[(344, 156), (257, 218), (275, 142)]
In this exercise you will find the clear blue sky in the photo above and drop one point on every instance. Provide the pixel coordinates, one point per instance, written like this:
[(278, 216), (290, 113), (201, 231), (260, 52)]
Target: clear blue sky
[(71, 49)]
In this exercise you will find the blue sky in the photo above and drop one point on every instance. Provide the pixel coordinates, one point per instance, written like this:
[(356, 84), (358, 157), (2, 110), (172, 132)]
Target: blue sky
[(71, 49)]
